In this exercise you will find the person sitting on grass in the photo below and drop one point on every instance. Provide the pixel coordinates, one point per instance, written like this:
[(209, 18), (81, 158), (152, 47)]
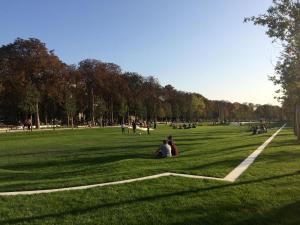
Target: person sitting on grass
[(164, 150), (264, 129), (174, 149), (254, 130)]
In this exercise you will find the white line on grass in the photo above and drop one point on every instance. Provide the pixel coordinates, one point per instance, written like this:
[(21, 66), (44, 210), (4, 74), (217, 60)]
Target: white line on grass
[(240, 169), (231, 177)]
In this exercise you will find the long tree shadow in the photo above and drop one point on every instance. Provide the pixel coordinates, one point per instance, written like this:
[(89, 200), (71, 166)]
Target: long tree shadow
[(284, 143), (281, 156), (112, 154), (75, 212), (287, 215)]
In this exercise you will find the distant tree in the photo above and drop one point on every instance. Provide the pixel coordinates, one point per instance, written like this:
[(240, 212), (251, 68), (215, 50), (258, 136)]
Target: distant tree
[(70, 107), (197, 107), (100, 108), (28, 103), (92, 72), (33, 80), (28, 63)]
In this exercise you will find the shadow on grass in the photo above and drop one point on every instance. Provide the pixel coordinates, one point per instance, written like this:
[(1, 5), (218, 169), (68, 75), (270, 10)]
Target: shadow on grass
[(286, 215), (76, 212), (230, 163), (78, 160), (285, 143), (281, 156)]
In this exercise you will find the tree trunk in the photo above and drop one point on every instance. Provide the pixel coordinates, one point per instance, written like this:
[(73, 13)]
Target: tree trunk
[(128, 116), (31, 122), (93, 108), (112, 110), (68, 120), (72, 122), (297, 121), (101, 121), (37, 124)]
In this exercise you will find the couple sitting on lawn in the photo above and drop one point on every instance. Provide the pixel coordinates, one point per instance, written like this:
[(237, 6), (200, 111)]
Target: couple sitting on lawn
[(167, 149)]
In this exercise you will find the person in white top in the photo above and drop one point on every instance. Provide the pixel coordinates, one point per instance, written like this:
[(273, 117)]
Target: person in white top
[(123, 128), (164, 150)]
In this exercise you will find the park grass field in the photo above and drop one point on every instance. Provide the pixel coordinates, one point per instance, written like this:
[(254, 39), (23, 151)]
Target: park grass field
[(267, 193)]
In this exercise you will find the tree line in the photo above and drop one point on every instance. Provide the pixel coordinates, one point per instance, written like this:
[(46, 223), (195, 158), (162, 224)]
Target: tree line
[(36, 84)]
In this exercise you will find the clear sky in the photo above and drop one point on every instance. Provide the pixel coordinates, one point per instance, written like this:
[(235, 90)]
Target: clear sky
[(195, 45)]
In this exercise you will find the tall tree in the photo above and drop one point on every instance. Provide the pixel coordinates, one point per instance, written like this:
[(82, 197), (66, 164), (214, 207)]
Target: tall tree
[(282, 20), (27, 63)]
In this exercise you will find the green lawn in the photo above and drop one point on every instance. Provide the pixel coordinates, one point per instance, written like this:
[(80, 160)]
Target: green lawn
[(268, 193)]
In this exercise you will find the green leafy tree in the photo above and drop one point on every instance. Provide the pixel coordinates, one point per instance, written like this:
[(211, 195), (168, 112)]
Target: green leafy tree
[(282, 20), (100, 108), (28, 103), (70, 107)]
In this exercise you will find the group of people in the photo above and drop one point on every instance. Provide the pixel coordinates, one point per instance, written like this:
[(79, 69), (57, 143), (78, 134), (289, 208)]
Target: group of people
[(146, 125), (184, 126), (167, 149), (259, 129)]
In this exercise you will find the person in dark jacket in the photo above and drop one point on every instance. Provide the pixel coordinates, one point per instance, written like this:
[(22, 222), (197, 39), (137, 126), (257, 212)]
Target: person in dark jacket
[(133, 126), (174, 149)]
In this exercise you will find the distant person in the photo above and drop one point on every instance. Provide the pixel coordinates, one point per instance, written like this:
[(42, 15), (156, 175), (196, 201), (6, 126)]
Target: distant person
[(264, 129), (255, 130), (164, 150), (134, 126), (27, 124), (174, 149), (155, 125), (123, 127), (148, 129)]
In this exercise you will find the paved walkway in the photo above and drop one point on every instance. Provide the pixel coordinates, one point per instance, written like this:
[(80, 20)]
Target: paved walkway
[(231, 177)]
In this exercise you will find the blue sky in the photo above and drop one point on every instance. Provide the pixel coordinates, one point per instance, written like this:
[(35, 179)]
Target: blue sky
[(195, 45)]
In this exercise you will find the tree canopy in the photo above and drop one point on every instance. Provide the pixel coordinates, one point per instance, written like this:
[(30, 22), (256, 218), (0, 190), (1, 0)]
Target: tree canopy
[(34, 81)]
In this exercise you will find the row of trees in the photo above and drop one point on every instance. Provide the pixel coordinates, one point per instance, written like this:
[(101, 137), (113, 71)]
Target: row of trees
[(282, 20), (34, 81)]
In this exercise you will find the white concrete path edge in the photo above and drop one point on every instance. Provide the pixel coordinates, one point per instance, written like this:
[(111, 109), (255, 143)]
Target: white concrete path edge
[(231, 177)]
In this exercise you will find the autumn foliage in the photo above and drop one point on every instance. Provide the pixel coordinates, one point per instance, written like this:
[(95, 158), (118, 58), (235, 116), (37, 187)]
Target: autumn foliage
[(35, 82)]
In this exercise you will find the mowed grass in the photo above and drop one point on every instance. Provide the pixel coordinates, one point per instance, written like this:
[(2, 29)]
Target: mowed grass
[(53, 159), (267, 193)]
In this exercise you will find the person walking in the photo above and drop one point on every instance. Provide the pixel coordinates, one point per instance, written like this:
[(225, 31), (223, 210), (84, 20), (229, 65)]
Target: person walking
[(123, 127), (133, 126)]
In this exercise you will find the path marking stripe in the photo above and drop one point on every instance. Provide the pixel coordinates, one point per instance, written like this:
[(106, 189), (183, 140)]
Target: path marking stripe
[(231, 177), (83, 187), (240, 169), (196, 176)]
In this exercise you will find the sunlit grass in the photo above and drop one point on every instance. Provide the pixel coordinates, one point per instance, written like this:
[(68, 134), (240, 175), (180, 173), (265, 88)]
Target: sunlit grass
[(267, 193)]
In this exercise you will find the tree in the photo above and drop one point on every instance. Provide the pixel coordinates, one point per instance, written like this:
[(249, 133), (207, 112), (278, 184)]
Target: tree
[(282, 20), (100, 108), (197, 107), (70, 107), (92, 72), (28, 63), (28, 104)]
